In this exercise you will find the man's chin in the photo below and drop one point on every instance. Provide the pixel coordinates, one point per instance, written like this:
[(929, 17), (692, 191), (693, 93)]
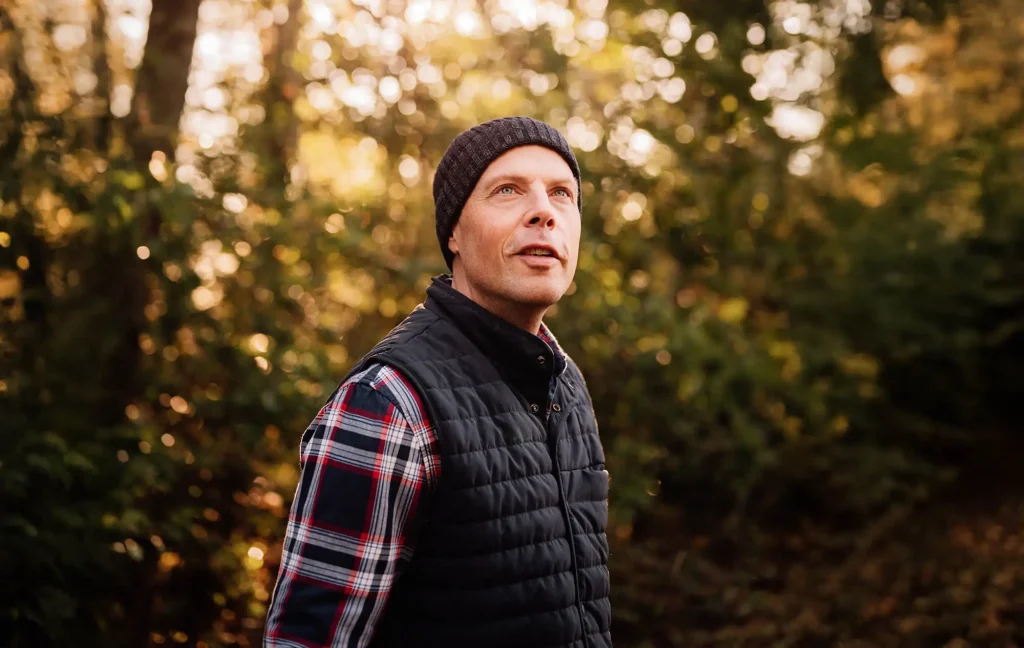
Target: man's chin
[(539, 296)]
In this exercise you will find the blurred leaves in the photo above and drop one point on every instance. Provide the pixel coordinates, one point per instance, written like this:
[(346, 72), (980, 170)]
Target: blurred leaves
[(797, 306)]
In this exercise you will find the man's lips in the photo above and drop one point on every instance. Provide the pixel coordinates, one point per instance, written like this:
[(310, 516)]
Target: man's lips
[(552, 252), (539, 262)]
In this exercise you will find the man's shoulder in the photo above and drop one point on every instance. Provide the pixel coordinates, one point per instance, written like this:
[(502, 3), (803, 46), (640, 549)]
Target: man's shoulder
[(393, 397), (420, 320), (391, 384)]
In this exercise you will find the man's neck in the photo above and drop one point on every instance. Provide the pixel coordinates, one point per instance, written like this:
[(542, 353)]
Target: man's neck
[(525, 316)]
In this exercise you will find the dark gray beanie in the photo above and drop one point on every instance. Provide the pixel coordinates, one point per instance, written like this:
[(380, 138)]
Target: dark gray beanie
[(472, 152)]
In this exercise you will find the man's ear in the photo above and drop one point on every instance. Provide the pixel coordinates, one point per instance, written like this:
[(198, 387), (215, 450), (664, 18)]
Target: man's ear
[(453, 245)]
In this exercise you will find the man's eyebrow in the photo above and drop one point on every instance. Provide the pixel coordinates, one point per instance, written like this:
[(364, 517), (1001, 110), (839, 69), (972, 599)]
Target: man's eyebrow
[(521, 179)]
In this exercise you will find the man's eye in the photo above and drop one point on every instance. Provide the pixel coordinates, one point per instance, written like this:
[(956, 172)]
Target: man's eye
[(565, 192), (508, 191)]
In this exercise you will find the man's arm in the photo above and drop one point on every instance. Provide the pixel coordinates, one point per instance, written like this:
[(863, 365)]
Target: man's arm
[(365, 461)]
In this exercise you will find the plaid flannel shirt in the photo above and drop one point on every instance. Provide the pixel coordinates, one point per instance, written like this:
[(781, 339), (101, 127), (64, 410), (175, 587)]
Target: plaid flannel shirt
[(368, 460)]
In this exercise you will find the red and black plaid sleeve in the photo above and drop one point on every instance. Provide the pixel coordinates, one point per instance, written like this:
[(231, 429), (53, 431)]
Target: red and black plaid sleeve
[(367, 460)]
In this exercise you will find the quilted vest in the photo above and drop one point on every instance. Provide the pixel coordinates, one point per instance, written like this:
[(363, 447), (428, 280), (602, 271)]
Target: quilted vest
[(511, 549)]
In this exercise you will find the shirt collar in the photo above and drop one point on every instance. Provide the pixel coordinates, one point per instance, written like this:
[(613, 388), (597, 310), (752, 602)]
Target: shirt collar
[(561, 360), (528, 361)]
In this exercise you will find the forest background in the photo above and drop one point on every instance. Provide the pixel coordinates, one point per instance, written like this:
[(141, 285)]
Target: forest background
[(799, 304)]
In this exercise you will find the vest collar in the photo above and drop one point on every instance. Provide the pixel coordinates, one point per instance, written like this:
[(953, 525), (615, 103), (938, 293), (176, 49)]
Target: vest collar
[(526, 359)]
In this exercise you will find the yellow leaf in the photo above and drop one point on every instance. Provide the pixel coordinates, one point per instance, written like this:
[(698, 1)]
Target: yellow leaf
[(780, 349), (859, 364), (10, 284), (791, 427), (133, 181), (169, 560), (733, 310), (840, 425), (650, 343)]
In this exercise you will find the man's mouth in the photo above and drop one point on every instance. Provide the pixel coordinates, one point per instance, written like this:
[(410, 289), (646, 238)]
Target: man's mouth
[(538, 251)]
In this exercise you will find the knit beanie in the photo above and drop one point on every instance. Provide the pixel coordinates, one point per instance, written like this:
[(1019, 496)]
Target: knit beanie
[(472, 152)]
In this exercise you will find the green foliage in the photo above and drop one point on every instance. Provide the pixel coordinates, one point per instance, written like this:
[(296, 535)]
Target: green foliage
[(793, 366)]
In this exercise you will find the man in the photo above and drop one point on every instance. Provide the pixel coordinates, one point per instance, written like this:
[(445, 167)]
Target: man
[(453, 491)]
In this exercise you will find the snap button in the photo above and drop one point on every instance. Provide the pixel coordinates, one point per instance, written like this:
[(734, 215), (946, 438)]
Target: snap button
[(534, 408), (541, 359), (556, 407)]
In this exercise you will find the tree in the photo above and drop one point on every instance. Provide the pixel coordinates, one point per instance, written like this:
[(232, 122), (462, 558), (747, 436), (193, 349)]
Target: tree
[(797, 304)]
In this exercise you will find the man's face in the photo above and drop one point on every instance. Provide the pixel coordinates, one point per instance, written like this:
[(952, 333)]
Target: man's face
[(517, 240)]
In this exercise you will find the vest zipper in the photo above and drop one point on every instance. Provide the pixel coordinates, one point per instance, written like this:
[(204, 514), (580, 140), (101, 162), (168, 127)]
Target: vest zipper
[(567, 511)]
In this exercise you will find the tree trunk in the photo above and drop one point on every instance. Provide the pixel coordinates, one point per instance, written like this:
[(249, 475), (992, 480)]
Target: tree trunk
[(163, 78), (101, 68), (282, 88), (153, 125)]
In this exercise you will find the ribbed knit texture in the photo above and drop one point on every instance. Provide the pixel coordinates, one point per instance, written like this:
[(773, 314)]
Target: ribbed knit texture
[(469, 155)]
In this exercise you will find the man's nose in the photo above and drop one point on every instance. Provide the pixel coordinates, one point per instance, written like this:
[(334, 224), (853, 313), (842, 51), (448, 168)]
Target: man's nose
[(541, 211)]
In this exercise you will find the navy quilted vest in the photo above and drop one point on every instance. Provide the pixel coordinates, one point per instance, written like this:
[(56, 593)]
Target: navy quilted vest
[(512, 551)]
